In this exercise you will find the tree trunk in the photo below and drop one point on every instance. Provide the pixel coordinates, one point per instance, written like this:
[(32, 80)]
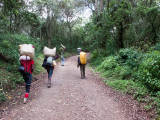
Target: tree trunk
[(155, 35), (70, 29), (146, 2), (133, 3), (120, 38), (96, 6), (48, 27), (40, 34), (151, 2), (10, 26), (15, 23), (108, 5), (101, 5)]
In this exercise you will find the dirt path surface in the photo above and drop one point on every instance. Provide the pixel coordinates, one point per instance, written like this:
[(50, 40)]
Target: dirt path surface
[(71, 98)]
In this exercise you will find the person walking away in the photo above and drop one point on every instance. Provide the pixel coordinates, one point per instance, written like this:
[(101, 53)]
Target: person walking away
[(82, 63), (48, 64), (63, 48), (26, 68), (29, 67)]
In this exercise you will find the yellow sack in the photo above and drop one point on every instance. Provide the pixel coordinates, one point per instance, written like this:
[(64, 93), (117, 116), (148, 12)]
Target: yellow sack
[(54, 63), (83, 58)]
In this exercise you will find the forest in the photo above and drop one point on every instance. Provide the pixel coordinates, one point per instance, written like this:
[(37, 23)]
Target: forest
[(122, 36)]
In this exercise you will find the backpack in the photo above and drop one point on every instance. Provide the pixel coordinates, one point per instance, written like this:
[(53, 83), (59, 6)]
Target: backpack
[(83, 58), (49, 61)]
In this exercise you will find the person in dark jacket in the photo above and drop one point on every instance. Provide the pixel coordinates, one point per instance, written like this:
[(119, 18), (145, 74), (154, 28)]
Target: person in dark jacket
[(49, 68)]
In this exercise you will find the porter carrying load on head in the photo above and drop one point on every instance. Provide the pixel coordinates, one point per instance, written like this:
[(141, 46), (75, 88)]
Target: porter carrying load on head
[(27, 50), (49, 62), (27, 65), (49, 52)]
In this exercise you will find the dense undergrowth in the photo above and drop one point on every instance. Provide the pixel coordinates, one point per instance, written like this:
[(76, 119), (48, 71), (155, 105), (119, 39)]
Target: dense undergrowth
[(132, 72), (9, 61)]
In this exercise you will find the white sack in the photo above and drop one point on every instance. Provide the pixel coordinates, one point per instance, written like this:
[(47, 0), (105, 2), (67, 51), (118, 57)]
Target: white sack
[(49, 52), (28, 50)]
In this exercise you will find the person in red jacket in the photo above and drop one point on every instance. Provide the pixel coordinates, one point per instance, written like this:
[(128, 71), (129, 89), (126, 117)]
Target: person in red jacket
[(27, 75)]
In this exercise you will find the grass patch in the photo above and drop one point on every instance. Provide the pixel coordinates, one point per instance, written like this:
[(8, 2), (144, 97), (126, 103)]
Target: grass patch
[(118, 84), (2, 97), (9, 78), (128, 86), (134, 88)]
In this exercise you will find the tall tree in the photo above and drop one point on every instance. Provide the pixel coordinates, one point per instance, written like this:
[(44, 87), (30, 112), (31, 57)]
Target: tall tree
[(101, 5)]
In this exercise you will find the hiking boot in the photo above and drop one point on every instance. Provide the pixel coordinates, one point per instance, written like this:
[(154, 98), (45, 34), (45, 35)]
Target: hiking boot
[(49, 85), (81, 77), (25, 100), (49, 82), (84, 76)]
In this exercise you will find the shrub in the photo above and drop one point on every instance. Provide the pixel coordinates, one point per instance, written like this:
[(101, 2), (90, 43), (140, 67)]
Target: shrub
[(94, 55), (129, 56), (9, 46), (149, 70), (112, 66), (96, 58), (156, 47), (124, 72), (108, 63)]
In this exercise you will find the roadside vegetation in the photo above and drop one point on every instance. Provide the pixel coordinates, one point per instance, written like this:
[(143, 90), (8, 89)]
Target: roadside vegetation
[(125, 48), (133, 73), (123, 38)]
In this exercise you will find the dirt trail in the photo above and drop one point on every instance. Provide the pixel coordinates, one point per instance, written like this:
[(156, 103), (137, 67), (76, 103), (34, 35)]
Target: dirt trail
[(71, 98)]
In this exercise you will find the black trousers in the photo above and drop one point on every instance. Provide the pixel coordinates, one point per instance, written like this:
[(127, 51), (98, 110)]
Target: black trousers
[(28, 80), (50, 71)]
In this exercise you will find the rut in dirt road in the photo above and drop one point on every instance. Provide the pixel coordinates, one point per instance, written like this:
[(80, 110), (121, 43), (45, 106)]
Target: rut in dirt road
[(70, 98)]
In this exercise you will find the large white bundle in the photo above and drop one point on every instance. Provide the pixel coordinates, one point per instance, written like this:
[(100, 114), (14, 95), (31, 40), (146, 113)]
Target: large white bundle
[(49, 52), (27, 49)]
